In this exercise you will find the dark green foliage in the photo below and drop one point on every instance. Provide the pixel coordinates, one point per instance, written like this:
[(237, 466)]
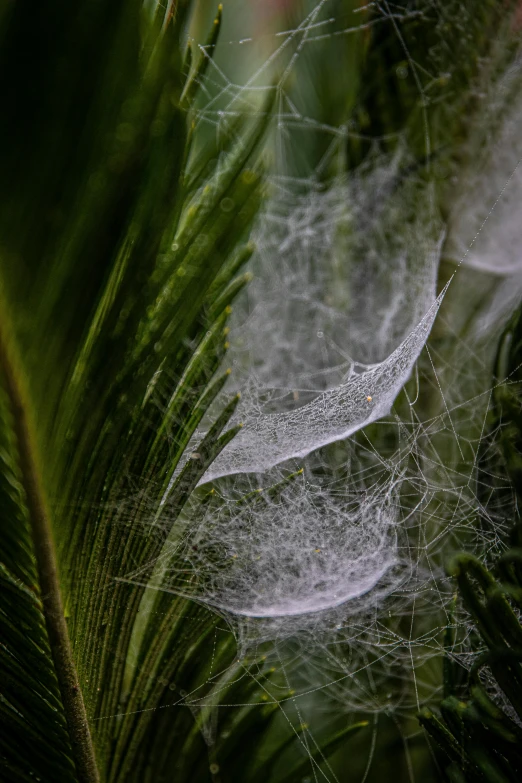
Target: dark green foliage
[(507, 395), (110, 243), (481, 739), (421, 77), (499, 480), (411, 78)]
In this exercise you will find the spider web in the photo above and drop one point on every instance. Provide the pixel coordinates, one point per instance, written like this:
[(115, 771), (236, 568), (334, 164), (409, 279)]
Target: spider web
[(372, 429)]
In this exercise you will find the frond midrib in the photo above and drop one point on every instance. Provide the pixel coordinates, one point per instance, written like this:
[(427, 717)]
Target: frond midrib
[(49, 584)]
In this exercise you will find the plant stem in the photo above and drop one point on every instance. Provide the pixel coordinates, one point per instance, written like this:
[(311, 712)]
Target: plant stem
[(72, 698)]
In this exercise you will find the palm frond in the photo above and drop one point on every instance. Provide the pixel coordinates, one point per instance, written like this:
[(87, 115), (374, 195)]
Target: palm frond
[(111, 246)]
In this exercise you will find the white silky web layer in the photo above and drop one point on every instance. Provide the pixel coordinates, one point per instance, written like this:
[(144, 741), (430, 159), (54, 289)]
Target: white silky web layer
[(305, 552), (269, 439), (338, 312)]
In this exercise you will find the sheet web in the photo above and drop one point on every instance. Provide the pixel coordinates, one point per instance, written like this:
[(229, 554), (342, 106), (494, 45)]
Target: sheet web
[(365, 382)]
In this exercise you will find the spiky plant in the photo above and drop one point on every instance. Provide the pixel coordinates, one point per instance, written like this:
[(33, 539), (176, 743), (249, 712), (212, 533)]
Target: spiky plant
[(119, 258), (478, 725), (479, 732), (123, 233)]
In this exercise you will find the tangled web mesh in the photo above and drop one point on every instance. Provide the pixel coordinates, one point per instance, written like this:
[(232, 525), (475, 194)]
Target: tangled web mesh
[(341, 567), (324, 352), (248, 560)]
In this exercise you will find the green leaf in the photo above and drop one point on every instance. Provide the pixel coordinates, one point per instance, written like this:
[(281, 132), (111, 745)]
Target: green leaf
[(117, 269)]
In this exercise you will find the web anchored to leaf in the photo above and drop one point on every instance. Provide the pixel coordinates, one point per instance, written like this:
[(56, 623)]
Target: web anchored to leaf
[(360, 463), (253, 507)]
